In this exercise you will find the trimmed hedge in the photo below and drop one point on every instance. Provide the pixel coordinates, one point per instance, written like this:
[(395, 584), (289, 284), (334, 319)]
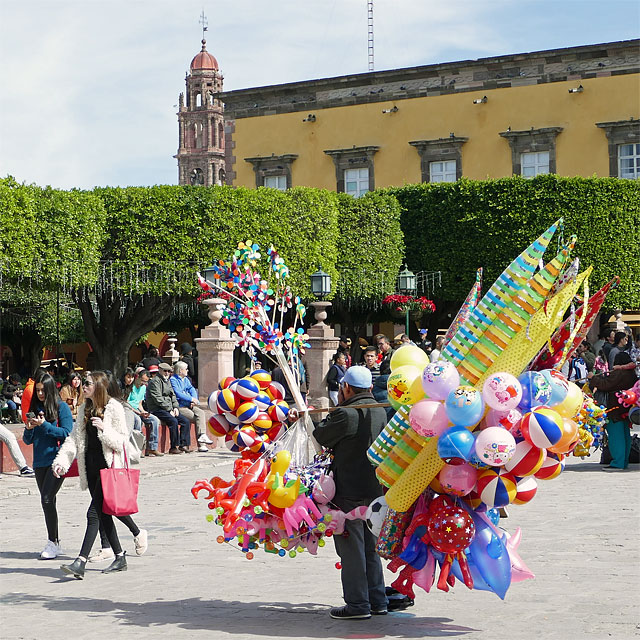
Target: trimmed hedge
[(457, 227)]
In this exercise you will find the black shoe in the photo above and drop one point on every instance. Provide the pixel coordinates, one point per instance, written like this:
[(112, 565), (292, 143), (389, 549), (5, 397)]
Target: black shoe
[(344, 613), (75, 569), (379, 612), (119, 564)]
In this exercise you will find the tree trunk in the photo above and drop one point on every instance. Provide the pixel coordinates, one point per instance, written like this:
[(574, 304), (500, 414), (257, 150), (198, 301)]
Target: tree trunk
[(118, 322)]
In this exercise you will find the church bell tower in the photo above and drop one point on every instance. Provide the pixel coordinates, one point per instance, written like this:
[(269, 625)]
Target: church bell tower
[(201, 123)]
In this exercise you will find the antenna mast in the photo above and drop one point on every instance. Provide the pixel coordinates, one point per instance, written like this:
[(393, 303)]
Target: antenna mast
[(370, 32)]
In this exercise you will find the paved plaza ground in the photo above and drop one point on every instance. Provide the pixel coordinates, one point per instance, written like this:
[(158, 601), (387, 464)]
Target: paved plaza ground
[(580, 538)]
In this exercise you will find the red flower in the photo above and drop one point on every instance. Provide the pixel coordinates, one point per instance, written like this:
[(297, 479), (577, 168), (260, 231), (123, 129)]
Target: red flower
[(401, 302)]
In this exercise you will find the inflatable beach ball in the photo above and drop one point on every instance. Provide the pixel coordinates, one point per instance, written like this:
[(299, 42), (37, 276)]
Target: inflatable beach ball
[(408, 354), (226, 401), (496, 488), (464, 406), (262, 422), (262, 377), (559, 386), (525, 490), (502, 391), (263, 401), (246, 388), (278, 411), (542, 427), (212, 401), (456, 443), (536, 390), (218, 425), (230, 442), (439, 378), (376, 513), (404, 386), (275, 391), (551, 468), (225, 383), (247, 412), (244, 438), (526, 460), (495, 446)]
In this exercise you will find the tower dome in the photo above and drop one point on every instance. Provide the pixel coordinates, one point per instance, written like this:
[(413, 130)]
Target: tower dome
[(204, 61)]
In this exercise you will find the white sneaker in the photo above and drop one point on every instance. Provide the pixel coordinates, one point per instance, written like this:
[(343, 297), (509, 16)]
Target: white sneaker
[(140, 542), (205, 439), (50, 551), (202, 448), (102, 556)]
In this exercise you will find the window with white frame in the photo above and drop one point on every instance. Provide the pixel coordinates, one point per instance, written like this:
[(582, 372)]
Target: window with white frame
[(276, 182), (629, 161), (534, 164), (444, 171), (356, 181)]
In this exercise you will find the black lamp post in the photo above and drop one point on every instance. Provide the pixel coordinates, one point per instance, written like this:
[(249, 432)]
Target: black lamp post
[(208, 274), (407, 285)]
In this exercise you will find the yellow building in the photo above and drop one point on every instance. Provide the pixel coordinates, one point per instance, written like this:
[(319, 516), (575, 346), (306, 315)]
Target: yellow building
[(570, 111)]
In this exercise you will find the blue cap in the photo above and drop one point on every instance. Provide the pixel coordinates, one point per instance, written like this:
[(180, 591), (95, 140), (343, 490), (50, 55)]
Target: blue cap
[(358, 376)]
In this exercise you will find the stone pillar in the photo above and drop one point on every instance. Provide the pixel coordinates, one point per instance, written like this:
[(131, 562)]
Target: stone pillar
[(323, 346), (215, 351), (171, 355)]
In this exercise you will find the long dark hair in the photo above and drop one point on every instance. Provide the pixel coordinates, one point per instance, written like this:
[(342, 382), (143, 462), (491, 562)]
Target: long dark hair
[(51, 398), (113, 388), (94, 406)]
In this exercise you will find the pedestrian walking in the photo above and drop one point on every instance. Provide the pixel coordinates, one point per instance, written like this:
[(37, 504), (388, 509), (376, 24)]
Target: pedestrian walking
[(49, 422), (335, 375), (97, 441)]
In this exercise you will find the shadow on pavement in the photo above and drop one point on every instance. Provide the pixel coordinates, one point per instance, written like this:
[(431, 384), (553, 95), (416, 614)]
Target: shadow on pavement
[(597, 468), (268, 619)]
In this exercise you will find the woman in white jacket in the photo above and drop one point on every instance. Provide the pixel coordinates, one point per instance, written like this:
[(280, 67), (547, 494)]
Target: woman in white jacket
[(97, 440)]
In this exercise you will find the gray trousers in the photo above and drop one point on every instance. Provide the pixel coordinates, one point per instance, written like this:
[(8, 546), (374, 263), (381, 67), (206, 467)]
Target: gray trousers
[(195, 415), (12, 444), (361, 574)]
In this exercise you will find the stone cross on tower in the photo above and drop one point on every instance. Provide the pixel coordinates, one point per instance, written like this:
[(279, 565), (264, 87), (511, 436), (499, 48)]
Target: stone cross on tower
[(201, 141)]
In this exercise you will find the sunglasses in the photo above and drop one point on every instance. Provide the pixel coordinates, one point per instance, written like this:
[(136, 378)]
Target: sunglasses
[(87, 383)]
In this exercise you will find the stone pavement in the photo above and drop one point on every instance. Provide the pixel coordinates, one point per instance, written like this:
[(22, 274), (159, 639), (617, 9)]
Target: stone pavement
[(580, 538)]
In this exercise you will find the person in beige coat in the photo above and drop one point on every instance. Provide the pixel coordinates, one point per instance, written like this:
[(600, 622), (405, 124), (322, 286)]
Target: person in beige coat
[(97, 441)]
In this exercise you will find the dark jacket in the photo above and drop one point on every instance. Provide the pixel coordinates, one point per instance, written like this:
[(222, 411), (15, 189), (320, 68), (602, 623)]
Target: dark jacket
[(48, 437), (350, 431), (160, 395), (335, 375), (9, 390), (617, 380)]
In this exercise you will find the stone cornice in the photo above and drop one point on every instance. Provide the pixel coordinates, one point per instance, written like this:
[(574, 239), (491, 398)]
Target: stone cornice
[(531, 132), (484, 74)]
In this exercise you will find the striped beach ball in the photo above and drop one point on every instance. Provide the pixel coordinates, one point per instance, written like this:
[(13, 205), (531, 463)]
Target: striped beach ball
[(278, 411), (496, 488), (526, 460), (247, 388), (472, 498), (276, 391), (275, 431), (525, 490), (225, 383), (247, 412), (551, 468), (263, 401), (226, 401), (212, 401), (542, 427), (245, 437), (229, 441), (262, 422), (260, 444), (233, 419), (262, 377), (218, 425)]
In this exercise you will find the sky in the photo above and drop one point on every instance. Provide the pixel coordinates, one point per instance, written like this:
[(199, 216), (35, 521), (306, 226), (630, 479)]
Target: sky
[(89, 88)]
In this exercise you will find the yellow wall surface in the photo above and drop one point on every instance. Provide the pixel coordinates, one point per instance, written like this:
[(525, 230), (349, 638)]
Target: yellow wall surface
[(581, 148)]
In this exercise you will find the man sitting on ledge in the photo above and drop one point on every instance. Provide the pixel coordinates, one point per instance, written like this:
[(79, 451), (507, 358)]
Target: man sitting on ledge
[(162, 403)]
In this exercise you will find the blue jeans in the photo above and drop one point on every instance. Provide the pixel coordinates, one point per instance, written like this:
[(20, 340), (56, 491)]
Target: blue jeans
[(153, 424), (619, 436), (361, 574), (182, 439)]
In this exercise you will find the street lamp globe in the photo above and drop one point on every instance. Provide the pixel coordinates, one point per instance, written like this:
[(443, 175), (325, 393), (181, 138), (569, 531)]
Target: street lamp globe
[(406, 281), (320, 283), (208, 273)]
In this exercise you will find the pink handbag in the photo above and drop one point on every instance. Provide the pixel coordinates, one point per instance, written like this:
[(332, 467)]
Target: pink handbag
[(120, 489)]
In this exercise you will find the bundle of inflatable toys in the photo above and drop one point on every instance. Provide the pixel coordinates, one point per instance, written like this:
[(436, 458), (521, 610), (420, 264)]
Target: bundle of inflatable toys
[(472, 433)]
